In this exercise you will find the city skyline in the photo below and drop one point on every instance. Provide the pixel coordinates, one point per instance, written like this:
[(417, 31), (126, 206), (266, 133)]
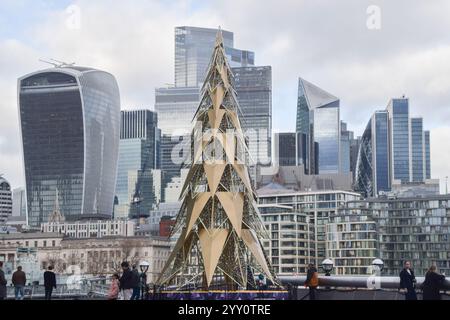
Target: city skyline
[(406, 69)]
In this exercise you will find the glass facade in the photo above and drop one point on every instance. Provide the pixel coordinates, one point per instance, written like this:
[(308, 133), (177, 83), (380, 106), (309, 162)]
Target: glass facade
[(318, 117), (6, 205), (193, 49), (70, 133), (364, 164), (138, 158), (399, 125), (346, 139), (253, 86), (417, 150), (381, 153), (426, 140)]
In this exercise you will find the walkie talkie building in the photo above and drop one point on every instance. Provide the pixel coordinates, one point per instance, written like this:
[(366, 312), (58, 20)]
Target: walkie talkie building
[(70, 133)]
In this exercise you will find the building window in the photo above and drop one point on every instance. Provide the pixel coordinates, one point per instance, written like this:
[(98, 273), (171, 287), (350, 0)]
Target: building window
[(45, 243), (36, 244), (53, 243)]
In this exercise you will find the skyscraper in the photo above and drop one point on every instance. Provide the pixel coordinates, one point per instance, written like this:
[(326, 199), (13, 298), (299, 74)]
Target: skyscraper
[(176, 105), (19, 206), (70, 132), (373, 162), (139, 158), (398, 110), (254, 90), (346, 141), (291, 150), (392, 142), (5, 200), (193, 49), (318, 118)]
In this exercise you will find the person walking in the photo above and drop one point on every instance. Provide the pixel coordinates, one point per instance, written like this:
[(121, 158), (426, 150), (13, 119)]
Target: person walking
[(408, 282), (432, 284), (113, 293), (19, 279), (49, 282), (136, 284), (126, 281), (312, 281), (3, 282)]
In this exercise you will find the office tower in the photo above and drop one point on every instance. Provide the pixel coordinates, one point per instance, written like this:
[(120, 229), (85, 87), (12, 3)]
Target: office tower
[(70, 132), (138, 171), (291, 149), (373, 164), (254, 92), (354, 148), (392, 142), (193, 48), (5, 200), (398, 110), (318, 118), (19, 206), (417, 150), (176, 105), (426, 140), (346, 139), (220, 236)]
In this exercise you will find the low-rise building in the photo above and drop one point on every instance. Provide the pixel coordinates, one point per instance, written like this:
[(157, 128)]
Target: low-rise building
[(88, 256), (91, 228)]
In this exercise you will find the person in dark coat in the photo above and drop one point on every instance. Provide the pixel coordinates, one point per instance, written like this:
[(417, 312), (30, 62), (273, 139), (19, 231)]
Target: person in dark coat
[(432, 284), (408, 282), (312, 281), (3, 282), (19, 280), (49, 282), (126, 281), (136, 284)]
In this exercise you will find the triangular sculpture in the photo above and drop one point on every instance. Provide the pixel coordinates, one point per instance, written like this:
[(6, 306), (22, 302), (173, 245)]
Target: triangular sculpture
[(218, 222)]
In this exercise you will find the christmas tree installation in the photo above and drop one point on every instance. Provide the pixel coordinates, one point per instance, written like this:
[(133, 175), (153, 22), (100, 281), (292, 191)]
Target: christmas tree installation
[(218, 223)]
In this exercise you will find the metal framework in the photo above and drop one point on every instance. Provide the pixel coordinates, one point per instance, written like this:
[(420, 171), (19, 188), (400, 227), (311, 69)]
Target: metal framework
[(219, 225)]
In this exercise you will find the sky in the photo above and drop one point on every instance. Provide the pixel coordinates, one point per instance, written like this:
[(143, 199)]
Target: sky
[(364, 52)]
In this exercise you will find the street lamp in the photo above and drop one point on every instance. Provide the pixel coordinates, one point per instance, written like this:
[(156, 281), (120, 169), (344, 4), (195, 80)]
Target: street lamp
[(327, 266), (377, 265), (144, 265)]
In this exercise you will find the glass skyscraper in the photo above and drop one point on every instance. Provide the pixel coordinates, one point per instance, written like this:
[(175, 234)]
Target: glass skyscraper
[(254, 92), (139, 156), (193, 49), (372, 168), (70, 132), (318, 118), (398, 110), (392, 142), (176, 105)]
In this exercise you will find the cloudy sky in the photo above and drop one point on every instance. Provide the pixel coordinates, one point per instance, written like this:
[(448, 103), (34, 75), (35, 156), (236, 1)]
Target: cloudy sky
[(340, 46)]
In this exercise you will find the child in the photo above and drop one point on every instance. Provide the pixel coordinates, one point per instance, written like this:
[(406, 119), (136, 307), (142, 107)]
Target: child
[(113, 293)]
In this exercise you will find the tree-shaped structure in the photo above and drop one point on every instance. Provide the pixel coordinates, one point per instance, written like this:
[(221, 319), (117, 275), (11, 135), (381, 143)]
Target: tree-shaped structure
[(219, 225)]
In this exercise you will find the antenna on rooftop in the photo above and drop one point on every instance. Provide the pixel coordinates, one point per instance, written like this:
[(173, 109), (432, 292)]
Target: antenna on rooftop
[(57, 63)]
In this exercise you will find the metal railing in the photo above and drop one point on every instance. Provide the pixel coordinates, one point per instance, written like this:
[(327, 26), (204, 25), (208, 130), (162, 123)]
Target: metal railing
[(63, 291), (367, 282)]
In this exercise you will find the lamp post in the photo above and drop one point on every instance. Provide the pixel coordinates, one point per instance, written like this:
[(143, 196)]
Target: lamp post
[(327, 266), (144, 265), (377, 266)]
